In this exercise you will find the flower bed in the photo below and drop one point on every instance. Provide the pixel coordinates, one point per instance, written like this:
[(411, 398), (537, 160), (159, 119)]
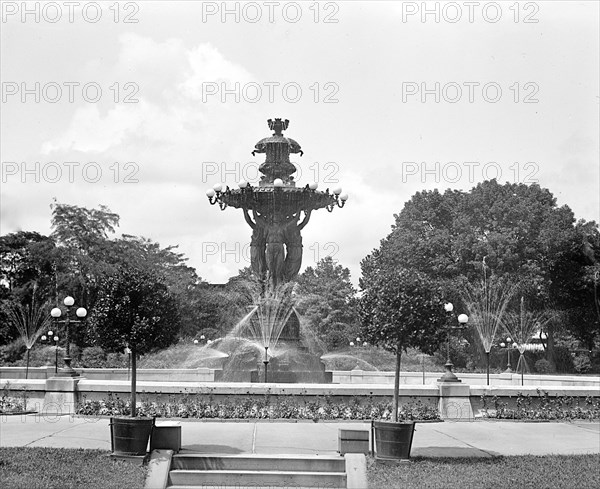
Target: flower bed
[(12, 404), (202, 406), (542, 407)]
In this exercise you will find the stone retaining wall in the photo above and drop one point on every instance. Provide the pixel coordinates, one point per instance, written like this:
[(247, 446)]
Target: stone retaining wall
[(453, 400), (339, 377)]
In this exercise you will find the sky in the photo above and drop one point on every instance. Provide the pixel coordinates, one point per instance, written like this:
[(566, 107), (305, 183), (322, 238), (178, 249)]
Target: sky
[(143, 106)]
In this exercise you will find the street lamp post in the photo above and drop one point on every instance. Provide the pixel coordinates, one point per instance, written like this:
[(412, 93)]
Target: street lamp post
[(509, 343), (266, 362), (358, 343), (449, 376), (202, 341), (81, 313), (53, 337)]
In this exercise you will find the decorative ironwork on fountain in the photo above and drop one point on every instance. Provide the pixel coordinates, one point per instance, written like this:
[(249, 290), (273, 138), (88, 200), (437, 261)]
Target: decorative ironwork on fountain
[(276, 209)]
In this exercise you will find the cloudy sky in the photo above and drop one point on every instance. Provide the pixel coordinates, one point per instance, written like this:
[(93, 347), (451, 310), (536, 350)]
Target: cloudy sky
[(142, 106)]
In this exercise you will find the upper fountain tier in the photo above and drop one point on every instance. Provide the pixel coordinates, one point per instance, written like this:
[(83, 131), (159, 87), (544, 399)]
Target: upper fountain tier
[(277, 191), (278, 149)]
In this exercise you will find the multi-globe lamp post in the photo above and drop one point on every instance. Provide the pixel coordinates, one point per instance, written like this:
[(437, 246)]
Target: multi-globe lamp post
[(81, 313), (52, 337), (266, 362), (358, 343), (508, 345), (202, 341), (449, 376)]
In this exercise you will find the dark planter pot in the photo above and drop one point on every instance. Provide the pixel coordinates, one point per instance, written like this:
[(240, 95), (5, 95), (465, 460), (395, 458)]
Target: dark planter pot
[(129, 436), (392, 440)]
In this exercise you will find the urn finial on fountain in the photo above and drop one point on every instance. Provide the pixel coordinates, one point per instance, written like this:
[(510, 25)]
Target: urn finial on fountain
[(277, 148), (278, 125)]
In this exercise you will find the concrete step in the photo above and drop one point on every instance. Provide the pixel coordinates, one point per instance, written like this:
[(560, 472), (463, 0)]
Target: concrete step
[(251, 486), (256, 470), (255, 478), (294, 463)]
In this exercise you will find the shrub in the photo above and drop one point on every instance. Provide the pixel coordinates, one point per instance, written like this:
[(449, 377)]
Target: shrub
[(336, 339), (45, 355), (458, 354), (563, 360), (582, 364), (116, 360), (93, 357), (543, 366), (13, 352)]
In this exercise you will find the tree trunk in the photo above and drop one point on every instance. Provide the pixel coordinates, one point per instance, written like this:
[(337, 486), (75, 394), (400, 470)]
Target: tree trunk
[(133, 381), (396, 386)]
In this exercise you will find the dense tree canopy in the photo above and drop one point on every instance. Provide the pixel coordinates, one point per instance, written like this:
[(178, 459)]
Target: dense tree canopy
[(523, 235), (134, 309), (79, 254), (403, 309)]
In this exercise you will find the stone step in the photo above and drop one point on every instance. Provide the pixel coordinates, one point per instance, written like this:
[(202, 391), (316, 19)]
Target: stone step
[(254, 478), (251, 486), (259, 462)]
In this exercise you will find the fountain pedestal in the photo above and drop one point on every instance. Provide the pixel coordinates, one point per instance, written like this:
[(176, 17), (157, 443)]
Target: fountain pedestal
[(294, 365)]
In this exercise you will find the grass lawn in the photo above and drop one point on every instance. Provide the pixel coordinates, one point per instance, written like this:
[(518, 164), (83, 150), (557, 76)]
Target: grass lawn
[(36, 467), (554, 471)]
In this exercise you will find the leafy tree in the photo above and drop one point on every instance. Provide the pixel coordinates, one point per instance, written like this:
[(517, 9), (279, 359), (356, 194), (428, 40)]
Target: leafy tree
[(401, 309), (135, 310), (80, 228), (182, 281), (524, 236), (87, 254), (80, 252), (327, 299), (81, 237), (26, 277), (26, 261)]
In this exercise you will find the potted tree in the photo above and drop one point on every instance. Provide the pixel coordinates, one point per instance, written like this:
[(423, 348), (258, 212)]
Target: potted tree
[(400, 309), (134, 310)]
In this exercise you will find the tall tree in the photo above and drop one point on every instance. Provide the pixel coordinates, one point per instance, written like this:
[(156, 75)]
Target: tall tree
[(402, 309), (26, 259), (520, 231), (81, 237), (135, 310), (327, 299)]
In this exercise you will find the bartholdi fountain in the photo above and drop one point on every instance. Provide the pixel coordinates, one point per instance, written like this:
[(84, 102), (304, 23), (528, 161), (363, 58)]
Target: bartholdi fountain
[(276, 210)]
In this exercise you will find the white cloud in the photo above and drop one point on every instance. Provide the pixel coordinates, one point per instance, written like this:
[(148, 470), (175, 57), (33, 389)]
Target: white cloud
[(209, 66), (169, 111)]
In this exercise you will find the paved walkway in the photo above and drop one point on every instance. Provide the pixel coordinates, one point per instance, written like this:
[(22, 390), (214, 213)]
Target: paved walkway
[(448, 439)]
